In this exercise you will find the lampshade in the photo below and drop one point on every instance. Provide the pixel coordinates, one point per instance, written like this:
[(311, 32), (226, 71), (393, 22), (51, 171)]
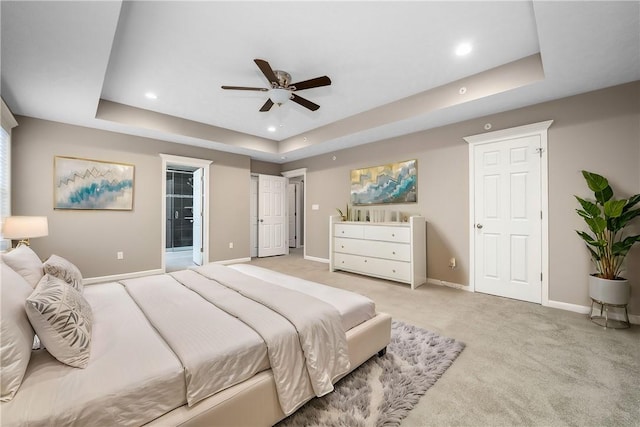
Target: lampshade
[(279, 96), (24, 227)]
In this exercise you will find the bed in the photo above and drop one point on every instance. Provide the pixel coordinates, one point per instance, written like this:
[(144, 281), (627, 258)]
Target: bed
[(215, 345)]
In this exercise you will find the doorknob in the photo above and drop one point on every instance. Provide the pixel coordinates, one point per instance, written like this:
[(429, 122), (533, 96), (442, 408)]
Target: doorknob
[(262, 220), (479, 226)]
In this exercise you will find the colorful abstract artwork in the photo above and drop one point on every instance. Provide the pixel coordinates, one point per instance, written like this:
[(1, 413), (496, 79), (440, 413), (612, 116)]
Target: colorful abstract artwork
[(391, 183), (92, 184)]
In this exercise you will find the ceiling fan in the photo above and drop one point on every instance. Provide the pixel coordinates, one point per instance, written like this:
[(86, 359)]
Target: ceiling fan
[(281, 87)]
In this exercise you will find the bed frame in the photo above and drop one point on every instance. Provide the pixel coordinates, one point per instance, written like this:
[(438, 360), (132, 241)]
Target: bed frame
[(254, 402)]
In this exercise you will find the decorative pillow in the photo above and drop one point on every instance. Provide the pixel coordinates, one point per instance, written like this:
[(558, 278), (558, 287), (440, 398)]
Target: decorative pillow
[(16, 334), (62, 319), (65, 270), (26, 263)]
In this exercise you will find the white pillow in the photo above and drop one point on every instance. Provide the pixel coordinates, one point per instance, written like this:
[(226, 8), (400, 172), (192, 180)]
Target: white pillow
[(16, 334), (65, 270), (62, 318), (26, 263)]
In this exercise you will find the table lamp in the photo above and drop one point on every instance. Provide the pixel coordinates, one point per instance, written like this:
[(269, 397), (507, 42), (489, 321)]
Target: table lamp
[(22, 228)]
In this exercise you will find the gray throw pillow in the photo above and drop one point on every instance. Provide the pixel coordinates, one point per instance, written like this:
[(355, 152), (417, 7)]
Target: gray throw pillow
[(64, 270), (62, 318)]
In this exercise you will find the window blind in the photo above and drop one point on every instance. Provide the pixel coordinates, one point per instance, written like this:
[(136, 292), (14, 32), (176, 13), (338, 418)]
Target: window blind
[(5, 181)]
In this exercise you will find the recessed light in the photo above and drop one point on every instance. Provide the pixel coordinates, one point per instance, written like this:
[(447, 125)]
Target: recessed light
[(151, 95), (271, 128), (463, 49)]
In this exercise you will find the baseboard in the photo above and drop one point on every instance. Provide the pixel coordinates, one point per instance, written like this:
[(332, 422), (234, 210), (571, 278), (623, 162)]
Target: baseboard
[(312, 258), (582, 309), (447, 284), (232, 261), (123, 276)]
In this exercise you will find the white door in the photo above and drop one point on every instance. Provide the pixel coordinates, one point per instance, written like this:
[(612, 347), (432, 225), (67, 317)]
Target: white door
[(272, 216), (253, 217), (507, 206), (292, 193), (197, 216)]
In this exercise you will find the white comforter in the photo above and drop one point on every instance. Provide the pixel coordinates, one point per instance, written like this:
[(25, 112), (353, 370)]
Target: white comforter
[(132, 377), (306, 341), (167, 340)]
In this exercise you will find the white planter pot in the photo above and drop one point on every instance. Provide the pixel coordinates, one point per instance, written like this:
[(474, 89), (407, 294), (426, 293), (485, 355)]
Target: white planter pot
[(615, 292)]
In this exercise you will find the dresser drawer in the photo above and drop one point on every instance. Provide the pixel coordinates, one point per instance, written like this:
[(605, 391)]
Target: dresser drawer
[(388, 234), (349, 230), (388, 269), (373, 248)]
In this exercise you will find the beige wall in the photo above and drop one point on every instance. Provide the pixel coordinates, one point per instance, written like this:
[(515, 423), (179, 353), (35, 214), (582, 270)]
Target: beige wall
[(91, 239), (599, 131), (265, 168)]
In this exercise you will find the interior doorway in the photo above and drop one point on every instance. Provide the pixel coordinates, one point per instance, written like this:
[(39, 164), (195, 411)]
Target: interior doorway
[(185, 212), (295, 194), (300, 176)]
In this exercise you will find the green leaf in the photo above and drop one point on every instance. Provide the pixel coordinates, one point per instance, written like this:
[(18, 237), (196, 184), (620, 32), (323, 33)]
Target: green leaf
[(624, 219), (599, 185), (622, 248), (633, 200), (589, 239), (597, 225), (589, 207), (613, 208)]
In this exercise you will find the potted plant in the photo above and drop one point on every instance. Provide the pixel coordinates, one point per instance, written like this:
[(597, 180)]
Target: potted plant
[(344, 216), (607, 218)]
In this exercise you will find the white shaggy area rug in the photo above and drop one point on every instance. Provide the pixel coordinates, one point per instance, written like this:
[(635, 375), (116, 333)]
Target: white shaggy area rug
[(384, 389)]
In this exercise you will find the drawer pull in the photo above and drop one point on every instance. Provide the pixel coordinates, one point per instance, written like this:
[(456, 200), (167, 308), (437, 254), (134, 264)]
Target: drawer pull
[(393, 235), (394, 252), (365, 260), (394, 271), (342, 246)]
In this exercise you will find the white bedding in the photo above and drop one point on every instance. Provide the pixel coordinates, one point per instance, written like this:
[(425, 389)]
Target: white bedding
[(353, 308), (147, 360), (216, 350), (116, 388), (318, 327)]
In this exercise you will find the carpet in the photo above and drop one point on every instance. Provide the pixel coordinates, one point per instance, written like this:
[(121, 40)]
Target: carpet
[(384, 389)]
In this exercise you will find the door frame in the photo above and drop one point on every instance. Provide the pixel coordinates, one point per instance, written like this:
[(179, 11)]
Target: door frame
[(302, 172), (169, 159), (297, 202), (534, 129)]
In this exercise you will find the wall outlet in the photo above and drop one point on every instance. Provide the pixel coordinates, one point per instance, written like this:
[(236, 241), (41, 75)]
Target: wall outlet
[(230, 245), (452, 263), (120, 255), (315, 207)]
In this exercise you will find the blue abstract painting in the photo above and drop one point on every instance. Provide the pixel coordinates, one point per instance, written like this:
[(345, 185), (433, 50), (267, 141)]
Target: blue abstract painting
[(92, 184), (391, 183)]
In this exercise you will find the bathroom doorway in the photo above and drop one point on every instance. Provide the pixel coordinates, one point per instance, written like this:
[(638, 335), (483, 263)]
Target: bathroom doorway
[(185, 214)]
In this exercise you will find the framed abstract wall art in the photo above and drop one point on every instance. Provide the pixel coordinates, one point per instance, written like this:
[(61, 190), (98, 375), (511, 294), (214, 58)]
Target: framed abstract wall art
[(92, 184), (390, 183)]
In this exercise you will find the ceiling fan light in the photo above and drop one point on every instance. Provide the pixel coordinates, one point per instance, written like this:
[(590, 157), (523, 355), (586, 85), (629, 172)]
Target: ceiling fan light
[(279, 96)]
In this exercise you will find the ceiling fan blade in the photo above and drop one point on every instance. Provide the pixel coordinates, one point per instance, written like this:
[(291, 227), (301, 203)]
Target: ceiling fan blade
[(261, 89), (311, 83), (267, 105), (267, 71), (304, 102)]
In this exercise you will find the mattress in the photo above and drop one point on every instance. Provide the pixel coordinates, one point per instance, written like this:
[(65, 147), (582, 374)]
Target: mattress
[(115, 388)]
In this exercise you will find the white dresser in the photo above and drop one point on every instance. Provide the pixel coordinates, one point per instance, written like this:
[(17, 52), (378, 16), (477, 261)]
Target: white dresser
[(389, 250)]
